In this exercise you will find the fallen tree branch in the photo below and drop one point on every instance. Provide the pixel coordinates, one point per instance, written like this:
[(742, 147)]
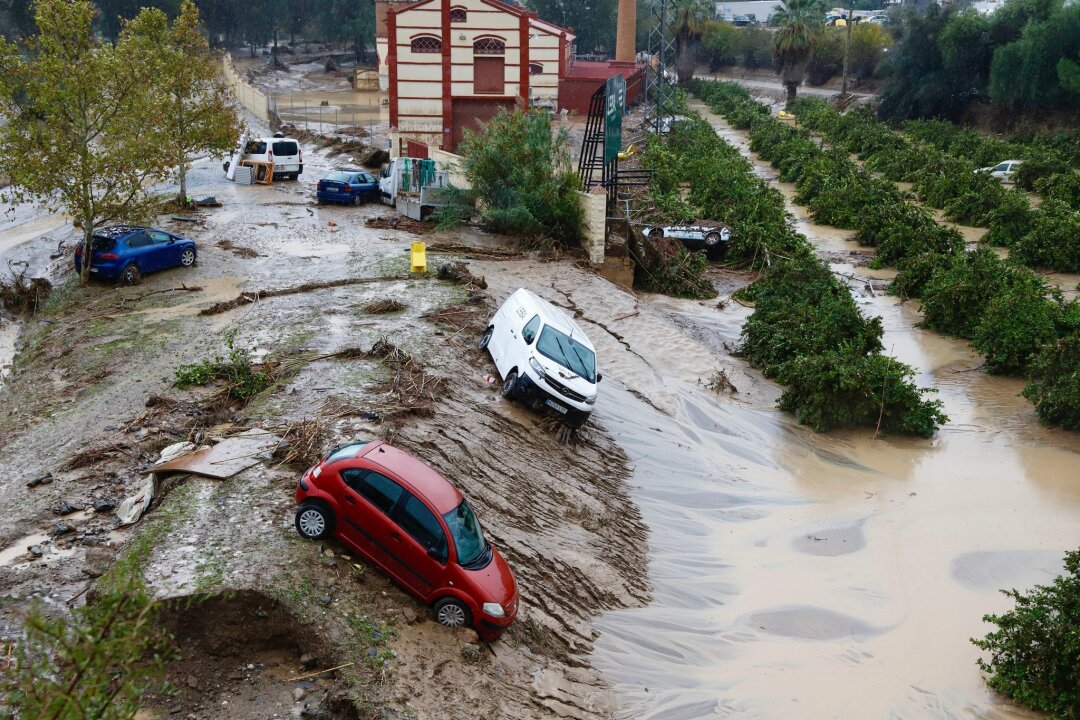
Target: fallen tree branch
[(251, 297)]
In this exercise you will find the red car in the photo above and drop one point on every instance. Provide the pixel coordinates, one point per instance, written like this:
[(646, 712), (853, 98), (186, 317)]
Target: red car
[(415, 526)]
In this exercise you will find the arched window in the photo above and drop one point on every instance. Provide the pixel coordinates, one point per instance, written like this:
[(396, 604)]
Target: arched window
[(459, 15), (535, 68), (426, 44), (489, 46)]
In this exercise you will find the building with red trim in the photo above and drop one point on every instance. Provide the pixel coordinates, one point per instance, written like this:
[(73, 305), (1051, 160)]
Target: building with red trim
[(449, 65)]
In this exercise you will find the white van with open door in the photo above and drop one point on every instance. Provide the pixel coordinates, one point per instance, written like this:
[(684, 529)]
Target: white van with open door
[(544, 358), (283, 152)]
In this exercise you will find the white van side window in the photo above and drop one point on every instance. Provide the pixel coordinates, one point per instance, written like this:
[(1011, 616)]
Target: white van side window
[(528, 333)]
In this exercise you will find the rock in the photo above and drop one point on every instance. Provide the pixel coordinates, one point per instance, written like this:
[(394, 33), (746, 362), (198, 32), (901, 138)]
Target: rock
[(60, 529), (307, 660), (36, 550), (469, 635), (43, 480), (410, 615), (112, 427), (192, 682), (66, 508), (298, 694), (104, 506), (325, 599), (471, 652)]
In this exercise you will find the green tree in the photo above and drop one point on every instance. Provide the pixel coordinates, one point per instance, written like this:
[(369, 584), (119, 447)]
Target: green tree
[(1055, 381), (113, 13), (1035, 652), (1025, 73), (519, 172), (593, 21), (96, 664), (688, 21), (869, 42), (196, 109), (78, 113), (720, 44), (827, 60), (348, 20), (800, 23)]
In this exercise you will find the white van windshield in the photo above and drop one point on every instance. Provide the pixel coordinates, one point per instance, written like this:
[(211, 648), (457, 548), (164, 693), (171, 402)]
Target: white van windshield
[(568, 352)]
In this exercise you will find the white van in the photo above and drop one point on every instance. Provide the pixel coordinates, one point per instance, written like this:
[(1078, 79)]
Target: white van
[(544, 358), (284, 152)]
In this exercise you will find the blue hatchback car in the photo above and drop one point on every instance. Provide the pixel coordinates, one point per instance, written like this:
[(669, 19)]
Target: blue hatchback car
[(348, 186), (127, 252)]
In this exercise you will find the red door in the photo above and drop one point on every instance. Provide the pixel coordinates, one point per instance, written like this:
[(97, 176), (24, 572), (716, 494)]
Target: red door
[(489, 75), (420, 543), (415, 149)]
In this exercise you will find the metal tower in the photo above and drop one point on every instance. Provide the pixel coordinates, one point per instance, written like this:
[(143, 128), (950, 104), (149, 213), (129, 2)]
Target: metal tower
[(659, 82)]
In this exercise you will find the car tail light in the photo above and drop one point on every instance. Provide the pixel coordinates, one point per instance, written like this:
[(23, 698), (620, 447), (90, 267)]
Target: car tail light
[(348, 189), (78, 251), (108, 256)]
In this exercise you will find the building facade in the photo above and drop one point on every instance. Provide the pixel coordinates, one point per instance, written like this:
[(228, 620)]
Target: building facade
[(452, 64)]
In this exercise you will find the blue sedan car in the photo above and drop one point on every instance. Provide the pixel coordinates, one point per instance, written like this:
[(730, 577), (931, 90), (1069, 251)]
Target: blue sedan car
[(348, 186), (127, 252)]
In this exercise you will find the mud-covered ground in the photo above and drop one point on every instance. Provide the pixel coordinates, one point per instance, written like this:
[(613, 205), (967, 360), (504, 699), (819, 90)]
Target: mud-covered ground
[(92, 401)]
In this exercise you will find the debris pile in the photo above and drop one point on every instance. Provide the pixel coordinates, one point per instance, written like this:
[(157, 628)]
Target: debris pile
[(458, 272)]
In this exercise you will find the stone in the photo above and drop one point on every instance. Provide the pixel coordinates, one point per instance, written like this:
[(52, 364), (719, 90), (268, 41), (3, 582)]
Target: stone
[(36, 550), (192, 682), (325, 599), (66, 508), (307, 660), (298, 694), (410, 615), (60, 529)]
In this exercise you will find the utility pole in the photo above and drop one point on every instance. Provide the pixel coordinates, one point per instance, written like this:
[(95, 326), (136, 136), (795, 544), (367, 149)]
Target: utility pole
[(847, 45)]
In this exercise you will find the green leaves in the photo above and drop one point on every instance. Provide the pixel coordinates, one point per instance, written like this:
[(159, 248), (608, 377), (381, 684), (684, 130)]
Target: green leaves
[(1035, 652), (519, 172), (95, 664)]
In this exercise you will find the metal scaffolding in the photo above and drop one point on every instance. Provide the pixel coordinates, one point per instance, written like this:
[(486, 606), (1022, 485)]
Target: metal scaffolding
[(659, 74)]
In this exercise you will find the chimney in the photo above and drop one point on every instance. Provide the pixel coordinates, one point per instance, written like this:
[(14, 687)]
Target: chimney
[(625, 37)]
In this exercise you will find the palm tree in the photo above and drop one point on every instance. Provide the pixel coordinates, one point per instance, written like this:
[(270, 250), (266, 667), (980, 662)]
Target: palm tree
[(800, 24), (687, 21)]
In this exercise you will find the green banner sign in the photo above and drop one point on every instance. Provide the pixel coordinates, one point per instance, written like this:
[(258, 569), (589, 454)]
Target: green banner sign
[(615, 104)]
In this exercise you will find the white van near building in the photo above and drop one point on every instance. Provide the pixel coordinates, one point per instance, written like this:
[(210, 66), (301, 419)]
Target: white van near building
[(545, 360), (283, 152)]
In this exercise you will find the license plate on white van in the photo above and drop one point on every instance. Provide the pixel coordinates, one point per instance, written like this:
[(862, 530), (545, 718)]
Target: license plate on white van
[(555, 406)]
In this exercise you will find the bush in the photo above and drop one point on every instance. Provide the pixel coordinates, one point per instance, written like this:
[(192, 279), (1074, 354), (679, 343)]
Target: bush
[(1010, 220), (868, 45), (1016, 322), (720, 46), (841, 389), (801, 308), (519, 172), (1038, 167), (1054, 388), (236, 372), (1035, 652), (1063, 187), (915, 272), (97, 664), (755, 50), (957, 294), (1054, 239), (827, 59)]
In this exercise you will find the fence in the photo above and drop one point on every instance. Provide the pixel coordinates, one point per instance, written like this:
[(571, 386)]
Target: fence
[(254, 100)]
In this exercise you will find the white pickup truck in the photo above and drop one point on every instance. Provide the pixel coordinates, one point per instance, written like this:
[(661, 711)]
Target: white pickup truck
[(415, 186)]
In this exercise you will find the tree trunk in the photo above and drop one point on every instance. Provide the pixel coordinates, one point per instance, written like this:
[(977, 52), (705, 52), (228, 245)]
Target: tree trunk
[(87, 249), (684, 60), (183, 186), (791, 89)]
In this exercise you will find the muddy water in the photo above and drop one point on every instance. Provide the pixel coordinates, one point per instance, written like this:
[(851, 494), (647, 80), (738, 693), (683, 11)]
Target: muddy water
[(823, 576)]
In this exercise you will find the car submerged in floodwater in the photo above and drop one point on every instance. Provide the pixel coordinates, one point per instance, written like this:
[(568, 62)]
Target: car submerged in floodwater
[(713, 238)]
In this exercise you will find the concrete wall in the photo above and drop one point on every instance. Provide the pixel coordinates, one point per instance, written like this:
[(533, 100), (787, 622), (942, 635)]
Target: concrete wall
[(254, 100), (595, 235), (448, 162)]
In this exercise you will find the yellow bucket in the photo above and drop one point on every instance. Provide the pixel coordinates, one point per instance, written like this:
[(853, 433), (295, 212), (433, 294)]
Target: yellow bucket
[(419, 258)]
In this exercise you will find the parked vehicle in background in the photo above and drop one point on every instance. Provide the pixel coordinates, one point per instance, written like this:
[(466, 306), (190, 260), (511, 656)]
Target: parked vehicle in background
[(353, 187), (284, 152), (544, 358), (414, 186), (713, 238), (127, 252), (1003, 170), (407, 520)]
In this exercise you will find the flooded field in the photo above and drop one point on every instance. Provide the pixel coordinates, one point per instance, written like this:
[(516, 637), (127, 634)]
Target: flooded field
[(823, 576)]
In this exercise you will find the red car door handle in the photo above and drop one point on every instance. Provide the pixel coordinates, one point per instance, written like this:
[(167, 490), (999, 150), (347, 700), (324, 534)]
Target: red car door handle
[(349, 500)]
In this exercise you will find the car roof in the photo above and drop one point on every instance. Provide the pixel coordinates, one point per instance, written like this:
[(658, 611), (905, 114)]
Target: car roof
[(422, 480), (348, 170), (553, 316), (116, 232)]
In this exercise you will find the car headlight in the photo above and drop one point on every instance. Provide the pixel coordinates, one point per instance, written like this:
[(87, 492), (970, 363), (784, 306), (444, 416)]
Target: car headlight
[(535, 365), (591, 400), (725, 234), (494, 610)]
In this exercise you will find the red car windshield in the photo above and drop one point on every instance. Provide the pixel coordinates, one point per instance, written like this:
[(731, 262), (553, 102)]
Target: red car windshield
[(472, 548)]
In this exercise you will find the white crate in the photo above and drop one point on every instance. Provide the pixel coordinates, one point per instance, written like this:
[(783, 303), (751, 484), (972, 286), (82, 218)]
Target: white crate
[(245, 175)]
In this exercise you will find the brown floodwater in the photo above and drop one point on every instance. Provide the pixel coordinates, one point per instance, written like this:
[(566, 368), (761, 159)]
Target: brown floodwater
[(824, 576)]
